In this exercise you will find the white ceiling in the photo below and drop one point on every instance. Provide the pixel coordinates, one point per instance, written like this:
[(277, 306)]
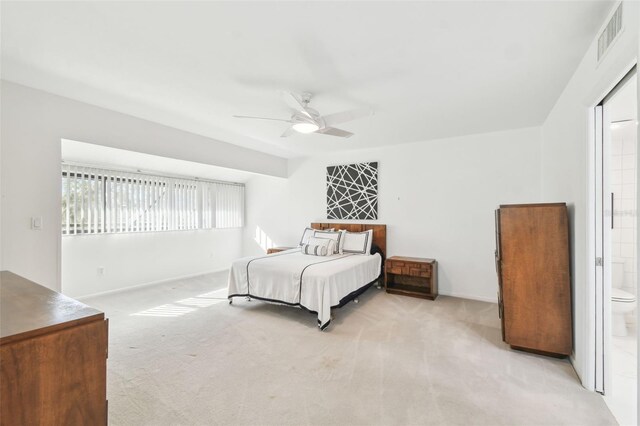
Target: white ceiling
[(428, 69)]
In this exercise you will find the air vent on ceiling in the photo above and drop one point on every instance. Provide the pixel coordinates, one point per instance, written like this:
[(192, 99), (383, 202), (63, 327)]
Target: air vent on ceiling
[(610, 32)]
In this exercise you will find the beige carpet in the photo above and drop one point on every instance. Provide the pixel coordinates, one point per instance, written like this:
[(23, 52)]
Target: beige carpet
[(179, 354)]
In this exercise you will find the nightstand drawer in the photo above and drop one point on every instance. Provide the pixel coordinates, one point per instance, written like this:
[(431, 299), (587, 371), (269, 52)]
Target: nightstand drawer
[(419, 272), (408, 268)]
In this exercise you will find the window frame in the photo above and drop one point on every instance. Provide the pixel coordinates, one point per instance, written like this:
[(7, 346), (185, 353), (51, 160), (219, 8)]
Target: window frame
[(123, 201)]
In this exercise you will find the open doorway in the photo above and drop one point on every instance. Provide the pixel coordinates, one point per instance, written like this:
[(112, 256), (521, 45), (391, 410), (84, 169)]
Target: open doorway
[(616, 248)]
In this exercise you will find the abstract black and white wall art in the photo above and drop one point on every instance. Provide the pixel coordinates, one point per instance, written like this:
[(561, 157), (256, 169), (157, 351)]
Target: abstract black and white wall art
[(352, 191)]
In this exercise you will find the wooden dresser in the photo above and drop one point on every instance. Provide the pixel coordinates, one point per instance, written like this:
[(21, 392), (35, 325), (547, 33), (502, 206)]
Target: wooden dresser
[(53, 357), (532, 262), (412, 276)]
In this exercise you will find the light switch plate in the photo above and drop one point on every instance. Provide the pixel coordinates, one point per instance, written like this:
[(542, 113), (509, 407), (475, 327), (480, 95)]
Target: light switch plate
[(36, 223)]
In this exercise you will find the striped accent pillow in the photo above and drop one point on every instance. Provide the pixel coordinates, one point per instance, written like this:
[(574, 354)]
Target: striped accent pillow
[(334, 235), (331, 244), (314, 250)]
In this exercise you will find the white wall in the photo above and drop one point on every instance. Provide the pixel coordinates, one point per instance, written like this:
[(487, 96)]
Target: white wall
[(565, 170), (437, 199), (34, 122), (1, 192), (142, 258), (267, 205)]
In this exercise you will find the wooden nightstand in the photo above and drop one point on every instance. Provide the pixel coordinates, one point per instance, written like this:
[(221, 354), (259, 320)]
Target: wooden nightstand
[(411, 276), (278, 249)]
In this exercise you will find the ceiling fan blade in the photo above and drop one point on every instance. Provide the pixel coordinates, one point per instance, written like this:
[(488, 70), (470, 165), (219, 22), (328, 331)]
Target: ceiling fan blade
[(332, 131), (262, 118), (294, 103), (288, 132), (344, 116)]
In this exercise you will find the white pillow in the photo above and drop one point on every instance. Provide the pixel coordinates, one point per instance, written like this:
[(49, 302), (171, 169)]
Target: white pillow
[(341, 242), (331, 244), (334, 235), (358, 242), (308, 233)]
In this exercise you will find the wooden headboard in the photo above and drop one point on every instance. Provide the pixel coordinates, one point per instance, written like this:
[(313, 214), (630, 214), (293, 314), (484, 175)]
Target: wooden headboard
[(379, 231)]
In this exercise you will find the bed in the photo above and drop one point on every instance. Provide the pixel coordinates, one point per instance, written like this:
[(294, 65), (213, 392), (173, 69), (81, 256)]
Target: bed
[(315, 283)]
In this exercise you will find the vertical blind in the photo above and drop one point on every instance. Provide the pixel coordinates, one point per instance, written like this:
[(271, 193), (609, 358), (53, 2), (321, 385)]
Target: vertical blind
[(97, 201)]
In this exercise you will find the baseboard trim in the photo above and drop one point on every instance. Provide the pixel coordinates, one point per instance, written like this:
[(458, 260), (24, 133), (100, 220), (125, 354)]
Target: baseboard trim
[(136, 286), (152, 283), (572, 361), (466, 296)]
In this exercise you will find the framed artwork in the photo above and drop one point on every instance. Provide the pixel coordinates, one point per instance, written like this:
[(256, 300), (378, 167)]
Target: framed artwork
[(352, 191)]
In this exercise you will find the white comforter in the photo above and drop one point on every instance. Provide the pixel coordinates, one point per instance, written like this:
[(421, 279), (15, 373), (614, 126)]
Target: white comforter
[(315, 283)]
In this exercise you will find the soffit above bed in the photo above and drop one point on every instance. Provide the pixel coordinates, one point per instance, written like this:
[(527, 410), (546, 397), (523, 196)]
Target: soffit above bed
[(428, 69)]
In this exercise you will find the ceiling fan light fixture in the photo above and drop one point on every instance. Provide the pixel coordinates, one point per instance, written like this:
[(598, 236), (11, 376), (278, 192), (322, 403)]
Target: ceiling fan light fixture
[(305, 127), (307, 120)]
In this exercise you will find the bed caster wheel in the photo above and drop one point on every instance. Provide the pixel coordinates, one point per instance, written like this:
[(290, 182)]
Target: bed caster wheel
[(248, 299), (355, 300)]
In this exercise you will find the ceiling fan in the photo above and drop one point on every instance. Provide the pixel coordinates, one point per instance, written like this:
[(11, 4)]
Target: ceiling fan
[(307, 120)]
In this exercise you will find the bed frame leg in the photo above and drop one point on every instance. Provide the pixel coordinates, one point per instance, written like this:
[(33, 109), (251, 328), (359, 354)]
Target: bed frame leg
[(231, 300), (355, 300), (248, 298)]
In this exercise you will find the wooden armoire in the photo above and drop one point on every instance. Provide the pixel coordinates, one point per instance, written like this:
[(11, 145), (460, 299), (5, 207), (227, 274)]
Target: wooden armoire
[(532, 261)]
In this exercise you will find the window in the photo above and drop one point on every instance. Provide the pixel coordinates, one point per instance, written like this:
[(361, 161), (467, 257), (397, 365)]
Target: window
[(100, 201)]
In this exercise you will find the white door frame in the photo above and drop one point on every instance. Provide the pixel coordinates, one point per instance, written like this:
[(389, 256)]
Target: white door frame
[(599, 248), (597, 259)]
